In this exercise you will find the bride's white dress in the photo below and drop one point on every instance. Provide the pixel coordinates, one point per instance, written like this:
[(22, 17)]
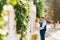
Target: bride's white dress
[(37, 31)]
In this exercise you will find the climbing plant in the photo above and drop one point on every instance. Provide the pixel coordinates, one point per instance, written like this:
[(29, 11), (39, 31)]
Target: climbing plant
[(22, 18), (2, 3), (40, 8), (22, 9), (1, 27), (3, 33)]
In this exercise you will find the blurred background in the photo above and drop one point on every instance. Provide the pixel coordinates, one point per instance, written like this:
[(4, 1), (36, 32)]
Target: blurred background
[(17, 18)]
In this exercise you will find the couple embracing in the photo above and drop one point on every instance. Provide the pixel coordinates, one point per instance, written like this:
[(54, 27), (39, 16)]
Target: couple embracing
[(40, 28)]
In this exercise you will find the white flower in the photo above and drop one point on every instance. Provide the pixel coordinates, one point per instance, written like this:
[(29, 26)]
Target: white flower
[(3, 32), (5, 7), (5, 18)]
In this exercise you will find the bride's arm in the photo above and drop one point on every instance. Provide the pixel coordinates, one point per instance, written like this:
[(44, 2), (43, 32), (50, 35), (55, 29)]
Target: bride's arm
[(36, 26)]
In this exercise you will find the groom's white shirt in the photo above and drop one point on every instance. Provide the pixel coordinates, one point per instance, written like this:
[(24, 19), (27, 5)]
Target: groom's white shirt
[(43, 25)]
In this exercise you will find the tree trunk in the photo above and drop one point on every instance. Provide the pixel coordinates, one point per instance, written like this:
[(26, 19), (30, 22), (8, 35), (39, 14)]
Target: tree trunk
[(54, 10)]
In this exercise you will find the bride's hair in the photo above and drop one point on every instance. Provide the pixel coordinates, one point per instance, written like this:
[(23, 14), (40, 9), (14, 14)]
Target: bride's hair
[(37, 19)]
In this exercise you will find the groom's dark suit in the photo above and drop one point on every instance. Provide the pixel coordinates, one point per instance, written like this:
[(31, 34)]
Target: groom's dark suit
[(42, 31)]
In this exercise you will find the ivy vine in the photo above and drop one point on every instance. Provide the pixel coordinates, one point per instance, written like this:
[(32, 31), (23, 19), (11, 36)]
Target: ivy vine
[(22, 18)]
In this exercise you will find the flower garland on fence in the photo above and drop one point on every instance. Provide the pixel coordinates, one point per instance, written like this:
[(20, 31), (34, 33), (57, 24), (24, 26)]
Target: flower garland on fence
[(22, 9), (3, 32)]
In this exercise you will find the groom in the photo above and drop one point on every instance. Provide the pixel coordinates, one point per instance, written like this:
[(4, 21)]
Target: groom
[(42, 28)]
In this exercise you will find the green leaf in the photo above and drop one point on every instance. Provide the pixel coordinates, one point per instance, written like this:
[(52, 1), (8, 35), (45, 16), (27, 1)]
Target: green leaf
[(1, 19), (1, 26), (1, 37), (13, 2)]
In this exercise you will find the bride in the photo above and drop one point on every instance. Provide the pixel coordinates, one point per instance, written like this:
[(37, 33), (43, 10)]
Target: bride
[(36, 35)]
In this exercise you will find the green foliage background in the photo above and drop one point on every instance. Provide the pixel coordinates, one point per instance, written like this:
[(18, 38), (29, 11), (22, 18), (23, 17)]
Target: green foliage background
[(2, 3), (21, 15), (40, 8), (22, 9)]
